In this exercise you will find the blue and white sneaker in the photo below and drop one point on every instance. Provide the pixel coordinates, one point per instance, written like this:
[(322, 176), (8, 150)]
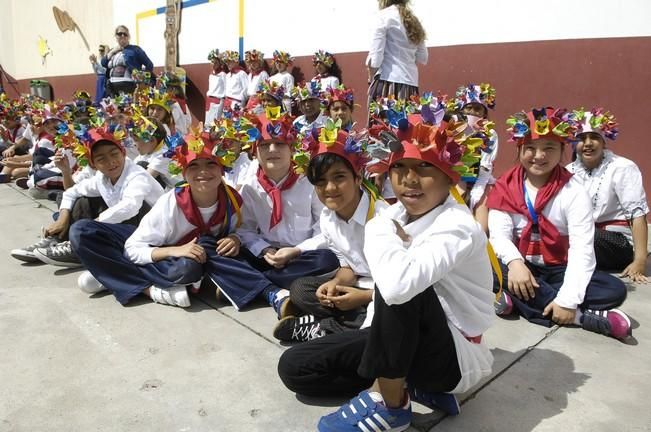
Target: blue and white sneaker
[(446, 402), (282, 304), (363, 414)]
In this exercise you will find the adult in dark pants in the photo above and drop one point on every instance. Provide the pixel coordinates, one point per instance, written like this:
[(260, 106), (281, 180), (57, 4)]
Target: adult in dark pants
[(121, 60)]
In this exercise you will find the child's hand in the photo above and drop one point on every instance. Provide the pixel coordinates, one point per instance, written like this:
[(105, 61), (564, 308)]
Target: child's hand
[(560, 315), (635, 271), (521, 282), (325, 291), (228, 246), (61, 161), (401, 232), (57, 228), (190, 250), (282, 256), (350, 298), (9, 152)]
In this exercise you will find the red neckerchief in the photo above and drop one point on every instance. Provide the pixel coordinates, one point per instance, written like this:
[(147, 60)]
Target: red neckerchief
[(182, 103), (13, 134), (275, 193), (508, 196), (43, 135), (191, 212)]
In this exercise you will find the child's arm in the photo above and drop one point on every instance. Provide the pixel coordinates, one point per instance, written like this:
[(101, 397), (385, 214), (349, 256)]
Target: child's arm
[(248, 231), (87, 188), (401, 272), (131, 201), (153, 232)]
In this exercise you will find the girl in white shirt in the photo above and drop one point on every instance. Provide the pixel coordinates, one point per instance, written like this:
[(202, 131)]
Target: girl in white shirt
[(258, 74), (327, 70), (617, 196), (398, 44), (216, 89), (236, 80), (281, 62), (340, 103), (541, 228), (335, 304)]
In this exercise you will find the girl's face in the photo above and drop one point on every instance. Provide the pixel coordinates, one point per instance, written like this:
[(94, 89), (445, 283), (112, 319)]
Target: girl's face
[(281, 67), (268, 101), (50, 126), (145, 147), (203, 175), (338, 188), (254, 66), (340, 110), (590, 149), (419, 185), (320, 68), (274, 158), (232, 65), (540, 156), (157, 112)]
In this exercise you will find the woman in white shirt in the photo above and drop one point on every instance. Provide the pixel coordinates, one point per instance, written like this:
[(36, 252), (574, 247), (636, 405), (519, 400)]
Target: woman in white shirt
[(618, 200), (398, 44)]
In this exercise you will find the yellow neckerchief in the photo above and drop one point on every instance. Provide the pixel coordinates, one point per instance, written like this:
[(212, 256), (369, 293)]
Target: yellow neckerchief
[(489, 248), (234, 203), (373, 196)]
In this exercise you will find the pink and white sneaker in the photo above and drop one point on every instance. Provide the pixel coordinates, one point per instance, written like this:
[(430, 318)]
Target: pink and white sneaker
[(611, 322)]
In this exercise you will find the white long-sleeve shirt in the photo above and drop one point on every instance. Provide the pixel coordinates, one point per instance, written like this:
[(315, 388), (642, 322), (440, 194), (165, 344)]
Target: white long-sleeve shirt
[(571, 214), (255, 81), (124, 198), (447, 252), (391, 51), (301, 124), (299, 226), (164, 225), (216, 85), (284, 79), (327, 82), (236, 86), (616, 190), (157, 161), (242, 169), (182, 120)]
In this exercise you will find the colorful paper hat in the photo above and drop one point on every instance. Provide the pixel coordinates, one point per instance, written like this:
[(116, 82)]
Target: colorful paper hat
[(556, 124), (197, 144), (307, 90), (597, 120), (81, 95), (395, 113), (81, 139), (273, 89), (141, 76), (253, 55), (282, 57), (331, 139), (235, 128), (323, 57), (153, 96), (275, 126), (340, 93), (214, 54), (146, 129), (483, 94), (230, 56)]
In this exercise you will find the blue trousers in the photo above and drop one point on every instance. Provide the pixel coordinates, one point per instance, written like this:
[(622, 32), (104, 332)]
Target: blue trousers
[(603, 292), (100, 247)]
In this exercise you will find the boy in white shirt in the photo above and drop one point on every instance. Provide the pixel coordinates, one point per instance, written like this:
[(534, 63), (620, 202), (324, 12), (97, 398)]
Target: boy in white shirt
[(430, 311), (308, 97), (280, 228), (216, 89), (149, 137), (178, 239)]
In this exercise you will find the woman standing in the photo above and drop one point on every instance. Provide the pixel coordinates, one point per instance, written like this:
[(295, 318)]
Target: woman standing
[(121, 61), (398, 43)]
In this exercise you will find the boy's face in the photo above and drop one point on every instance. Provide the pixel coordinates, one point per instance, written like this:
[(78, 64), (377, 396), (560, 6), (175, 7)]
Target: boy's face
[(338, 188), (109, 160), (419, 185), (274, 157), (203, 175), (340, 110), (310, 107), (476, 109), (540, 156), (145, 147)]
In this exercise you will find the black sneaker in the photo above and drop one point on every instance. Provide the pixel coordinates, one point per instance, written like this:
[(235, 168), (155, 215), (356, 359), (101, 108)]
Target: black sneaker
[(59, 255), (27, 253), (298, 329)]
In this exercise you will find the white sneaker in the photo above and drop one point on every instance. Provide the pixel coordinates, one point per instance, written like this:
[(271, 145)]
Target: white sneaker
[(88, 284), (174, 296)]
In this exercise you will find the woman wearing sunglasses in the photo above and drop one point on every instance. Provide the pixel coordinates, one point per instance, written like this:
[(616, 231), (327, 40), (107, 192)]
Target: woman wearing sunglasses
[(121, 61)]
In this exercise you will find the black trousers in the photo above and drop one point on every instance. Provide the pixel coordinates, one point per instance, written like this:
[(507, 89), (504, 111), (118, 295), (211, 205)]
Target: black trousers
[(410, 340), (612, 250), (332, 320)]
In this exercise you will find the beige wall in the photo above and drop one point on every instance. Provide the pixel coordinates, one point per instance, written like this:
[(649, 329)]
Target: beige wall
[(19, 54)]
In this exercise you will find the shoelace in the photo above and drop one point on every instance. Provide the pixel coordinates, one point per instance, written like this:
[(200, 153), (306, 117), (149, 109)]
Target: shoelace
[(306, 329), (43, 242), (62, 249)]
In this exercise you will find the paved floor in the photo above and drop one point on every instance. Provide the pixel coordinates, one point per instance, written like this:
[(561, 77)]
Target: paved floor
[(74, 363)]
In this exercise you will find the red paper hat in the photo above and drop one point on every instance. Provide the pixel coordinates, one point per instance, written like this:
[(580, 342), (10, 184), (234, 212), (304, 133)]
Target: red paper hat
[(550, 123), (330, 139), (280, 129)]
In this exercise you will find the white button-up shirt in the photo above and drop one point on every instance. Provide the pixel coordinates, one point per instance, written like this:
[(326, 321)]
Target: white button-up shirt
[(124, 198), (299, 226), (571, 214), (255, 81), (391, 51), (156, 161), (216, 84), (237, 85), (284, 79)]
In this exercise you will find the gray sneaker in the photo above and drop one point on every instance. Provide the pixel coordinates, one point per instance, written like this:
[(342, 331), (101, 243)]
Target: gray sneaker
[(27, 254), (59, 255)]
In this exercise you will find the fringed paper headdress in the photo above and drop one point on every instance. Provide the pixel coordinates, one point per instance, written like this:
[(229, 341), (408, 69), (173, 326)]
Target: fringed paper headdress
[(340, 93), (596, 120), (323, 57), (555, 124), (197, 144), (282, 57), (230, 56), (483, 94)]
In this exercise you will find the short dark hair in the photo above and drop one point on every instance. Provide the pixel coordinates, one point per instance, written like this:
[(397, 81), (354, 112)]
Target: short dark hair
[(320, 164), (102, 143)]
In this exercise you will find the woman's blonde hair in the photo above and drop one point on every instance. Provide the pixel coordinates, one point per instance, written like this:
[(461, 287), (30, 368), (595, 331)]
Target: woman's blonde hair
[(415, 31)]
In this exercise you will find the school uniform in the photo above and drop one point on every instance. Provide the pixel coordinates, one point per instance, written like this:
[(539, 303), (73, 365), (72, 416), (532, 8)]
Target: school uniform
[(242, 169), (286, 80), (43, 173), (215, 97), (182, 117), (617, 196), (552, 231), (158, 162), (346, 240), (291, 221), (327, 81), (255, 81), (430, 311), (236, 88), (302, 125)]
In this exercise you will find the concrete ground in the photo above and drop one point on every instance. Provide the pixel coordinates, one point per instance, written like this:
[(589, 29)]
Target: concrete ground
[(74, 363)]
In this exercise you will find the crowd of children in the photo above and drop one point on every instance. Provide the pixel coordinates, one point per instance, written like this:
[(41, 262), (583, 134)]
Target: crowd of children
[(258, 203)]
